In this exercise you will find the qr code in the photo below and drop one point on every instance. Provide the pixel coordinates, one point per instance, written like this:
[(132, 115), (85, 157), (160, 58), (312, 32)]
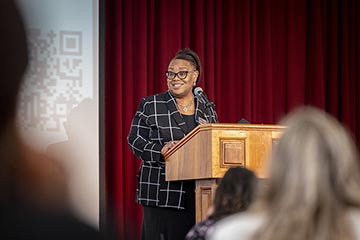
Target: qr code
[(54, 79)]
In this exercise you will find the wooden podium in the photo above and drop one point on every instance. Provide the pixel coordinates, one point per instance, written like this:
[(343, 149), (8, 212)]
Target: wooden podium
[(206, 153)]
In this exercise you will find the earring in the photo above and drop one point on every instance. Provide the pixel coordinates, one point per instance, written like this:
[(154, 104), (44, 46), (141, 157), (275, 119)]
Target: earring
[(194, 84)]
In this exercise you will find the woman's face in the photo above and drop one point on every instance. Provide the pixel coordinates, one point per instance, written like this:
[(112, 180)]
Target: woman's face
[(185, 78)]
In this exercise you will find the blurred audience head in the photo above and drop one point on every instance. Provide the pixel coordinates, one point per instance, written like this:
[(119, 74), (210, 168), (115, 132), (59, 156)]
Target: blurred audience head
[(316, 161), (33, 191), (314, 175), (26, 176), (13, 60), (235, 192)]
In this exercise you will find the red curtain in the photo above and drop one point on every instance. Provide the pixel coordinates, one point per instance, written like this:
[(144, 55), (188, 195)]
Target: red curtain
[(261, 58)]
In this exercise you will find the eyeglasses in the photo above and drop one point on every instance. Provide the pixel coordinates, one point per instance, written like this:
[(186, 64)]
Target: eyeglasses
[(181, 75)]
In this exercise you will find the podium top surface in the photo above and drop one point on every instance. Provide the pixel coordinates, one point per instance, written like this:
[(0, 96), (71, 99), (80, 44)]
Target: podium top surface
[(223, 126)]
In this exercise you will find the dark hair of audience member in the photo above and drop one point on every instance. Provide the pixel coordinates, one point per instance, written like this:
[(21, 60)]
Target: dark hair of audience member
[(234, 193)]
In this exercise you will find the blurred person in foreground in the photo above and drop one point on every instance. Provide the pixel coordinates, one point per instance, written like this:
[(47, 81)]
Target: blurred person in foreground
[(33, 191), (313, 189), (234, 194)]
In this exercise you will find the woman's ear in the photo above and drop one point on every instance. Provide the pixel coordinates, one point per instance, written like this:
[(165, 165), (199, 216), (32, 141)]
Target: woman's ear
[(195, 76)]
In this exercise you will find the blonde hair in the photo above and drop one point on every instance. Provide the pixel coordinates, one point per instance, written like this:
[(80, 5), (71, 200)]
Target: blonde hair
[(313, 179)]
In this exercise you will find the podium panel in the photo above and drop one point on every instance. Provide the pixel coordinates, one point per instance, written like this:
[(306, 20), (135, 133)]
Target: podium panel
[(209, 150)]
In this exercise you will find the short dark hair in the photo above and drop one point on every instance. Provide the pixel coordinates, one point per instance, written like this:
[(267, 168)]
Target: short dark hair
[(235, 192), (191, 56), (13, 61)]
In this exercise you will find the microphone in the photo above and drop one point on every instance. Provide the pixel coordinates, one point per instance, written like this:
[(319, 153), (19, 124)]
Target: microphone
[(200, 93), (244, 121)]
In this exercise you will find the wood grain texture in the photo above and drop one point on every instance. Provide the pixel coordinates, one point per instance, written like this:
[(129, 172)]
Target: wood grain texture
[(208, 151)]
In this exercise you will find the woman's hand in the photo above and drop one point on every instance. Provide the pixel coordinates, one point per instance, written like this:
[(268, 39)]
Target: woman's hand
[(167, 147)]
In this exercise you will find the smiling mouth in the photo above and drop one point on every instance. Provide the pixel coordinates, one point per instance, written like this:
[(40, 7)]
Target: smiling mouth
[(177, 84)]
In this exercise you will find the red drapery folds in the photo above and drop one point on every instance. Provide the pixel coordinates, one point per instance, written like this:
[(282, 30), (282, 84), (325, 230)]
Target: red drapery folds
[(261, 58)]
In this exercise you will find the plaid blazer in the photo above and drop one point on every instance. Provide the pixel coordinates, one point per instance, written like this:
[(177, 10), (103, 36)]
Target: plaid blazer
[(157, 122)]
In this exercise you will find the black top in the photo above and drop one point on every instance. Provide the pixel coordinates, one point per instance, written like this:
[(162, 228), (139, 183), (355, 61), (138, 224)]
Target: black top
[(190, 122)]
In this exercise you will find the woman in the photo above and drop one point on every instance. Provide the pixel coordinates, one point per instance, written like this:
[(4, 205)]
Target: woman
[(313, 190), (234, 194), (160, 121)]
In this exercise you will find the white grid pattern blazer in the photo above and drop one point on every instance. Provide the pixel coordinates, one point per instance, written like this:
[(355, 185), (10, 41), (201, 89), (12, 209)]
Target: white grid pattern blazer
[(156, 122)]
